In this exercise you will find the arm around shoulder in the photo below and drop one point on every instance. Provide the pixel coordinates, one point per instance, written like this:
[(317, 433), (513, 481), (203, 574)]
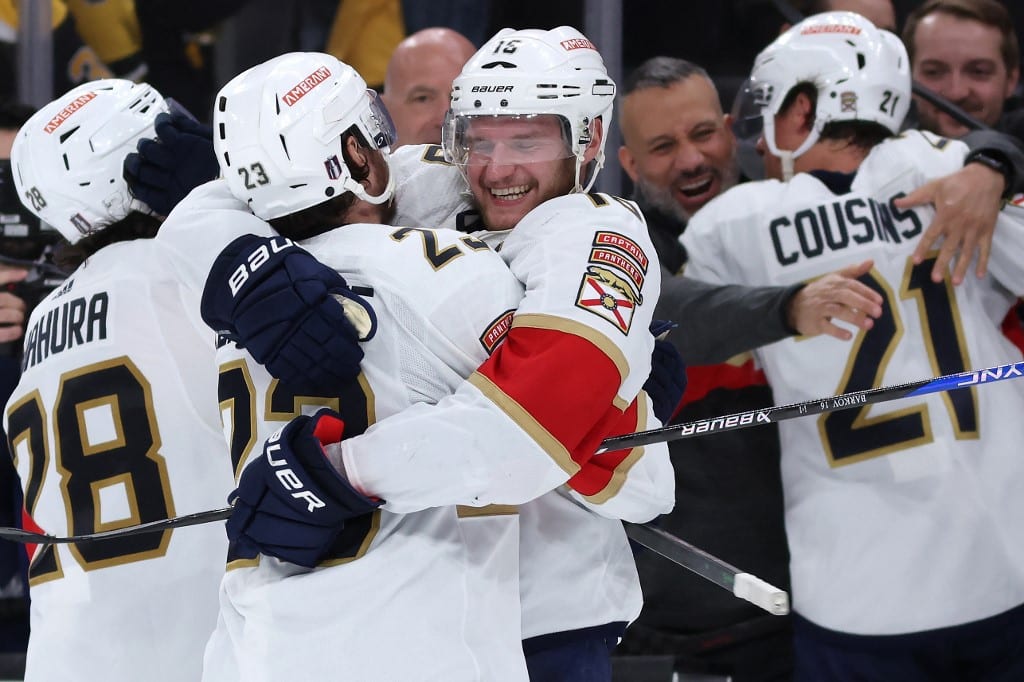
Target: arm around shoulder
[(720, 321)]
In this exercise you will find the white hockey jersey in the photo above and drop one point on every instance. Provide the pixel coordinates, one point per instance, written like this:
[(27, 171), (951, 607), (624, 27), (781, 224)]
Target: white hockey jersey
[(577, 566), (579, 352), (113, 423), (901, 516), (601, 585), (446, 589)]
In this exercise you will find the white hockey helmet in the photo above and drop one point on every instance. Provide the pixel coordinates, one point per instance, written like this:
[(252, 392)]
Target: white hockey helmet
[(67, 159), (534, 72), (861, 73), (277, 132)]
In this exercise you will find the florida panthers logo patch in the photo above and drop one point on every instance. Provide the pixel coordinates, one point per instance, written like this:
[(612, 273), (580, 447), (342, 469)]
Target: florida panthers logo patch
[(608, 296), (848, 102)]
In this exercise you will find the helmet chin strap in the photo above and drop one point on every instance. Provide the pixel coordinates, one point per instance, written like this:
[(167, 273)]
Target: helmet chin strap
[(598, 160), (141, 207), (598, 164), (386, 194), (786, 156)]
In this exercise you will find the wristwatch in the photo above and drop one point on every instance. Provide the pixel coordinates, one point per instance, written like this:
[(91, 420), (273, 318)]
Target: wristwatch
[(996, 163)]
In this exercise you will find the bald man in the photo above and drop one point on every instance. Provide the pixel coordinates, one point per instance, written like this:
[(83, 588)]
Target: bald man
[(878, 12), (418, 82)]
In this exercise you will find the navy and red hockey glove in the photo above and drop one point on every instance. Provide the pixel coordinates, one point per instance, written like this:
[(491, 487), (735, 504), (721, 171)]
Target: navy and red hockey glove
[(163, 171), (290, 503), (667, 382), (296, 316)]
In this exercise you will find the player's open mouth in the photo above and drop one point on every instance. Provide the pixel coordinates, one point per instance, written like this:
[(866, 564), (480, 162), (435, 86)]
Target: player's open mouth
[(510, 193), (695, 189)]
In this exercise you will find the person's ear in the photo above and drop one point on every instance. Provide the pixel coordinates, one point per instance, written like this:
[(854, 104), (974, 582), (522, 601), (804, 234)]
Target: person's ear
[(356, 152), (799, 115), (1011, 82), (628, 162), (806, 108), (727, 120)]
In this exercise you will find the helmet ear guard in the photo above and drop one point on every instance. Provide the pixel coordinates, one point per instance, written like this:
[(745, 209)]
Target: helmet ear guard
[(861, 73), (278, 133), (535, 72), (67, 159)]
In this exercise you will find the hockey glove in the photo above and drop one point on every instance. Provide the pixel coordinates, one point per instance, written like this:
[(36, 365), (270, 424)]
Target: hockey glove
[(296, 316), (164, 170), (290, 502), (667, 383)]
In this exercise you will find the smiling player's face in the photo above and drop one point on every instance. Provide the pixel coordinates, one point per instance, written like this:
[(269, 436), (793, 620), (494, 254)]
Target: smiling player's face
[(514, 163)]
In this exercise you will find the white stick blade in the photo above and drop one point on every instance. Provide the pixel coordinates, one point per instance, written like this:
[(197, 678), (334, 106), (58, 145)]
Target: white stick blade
[(761, 594)]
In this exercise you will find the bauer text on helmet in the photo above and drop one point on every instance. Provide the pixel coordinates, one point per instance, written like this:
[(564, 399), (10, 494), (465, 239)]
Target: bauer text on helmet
[(534, 72)]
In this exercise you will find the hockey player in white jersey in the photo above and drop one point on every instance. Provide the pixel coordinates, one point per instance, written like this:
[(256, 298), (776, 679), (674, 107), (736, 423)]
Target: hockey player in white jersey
[(578, 581), (587, 283), (114, 421), (433, 304), (904, 518)]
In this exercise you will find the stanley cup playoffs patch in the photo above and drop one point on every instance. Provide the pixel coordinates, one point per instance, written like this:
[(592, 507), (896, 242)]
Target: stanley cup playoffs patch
[(611, 284)]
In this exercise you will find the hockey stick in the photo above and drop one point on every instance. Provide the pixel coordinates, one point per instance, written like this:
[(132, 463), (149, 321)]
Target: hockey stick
[(742, 585), (771, 415), (738, 420), (28, 537)]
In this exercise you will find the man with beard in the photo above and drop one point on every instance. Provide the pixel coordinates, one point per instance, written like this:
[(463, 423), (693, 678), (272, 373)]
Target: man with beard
[(680, 151), (868, 496)]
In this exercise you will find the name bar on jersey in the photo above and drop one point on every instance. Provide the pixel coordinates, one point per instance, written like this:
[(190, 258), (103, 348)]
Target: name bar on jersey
[(841, 224), (74, 323)]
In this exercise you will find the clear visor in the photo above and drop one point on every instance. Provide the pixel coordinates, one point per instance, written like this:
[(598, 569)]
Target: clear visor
[(748, 108), (748, 125), (374, 121), (507, 139), (378, 123)]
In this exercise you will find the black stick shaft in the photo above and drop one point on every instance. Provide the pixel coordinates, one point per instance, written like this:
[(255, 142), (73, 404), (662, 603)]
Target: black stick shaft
[(741, 584), (771, 415), (683, 553), (739, 420), (28, 537)]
